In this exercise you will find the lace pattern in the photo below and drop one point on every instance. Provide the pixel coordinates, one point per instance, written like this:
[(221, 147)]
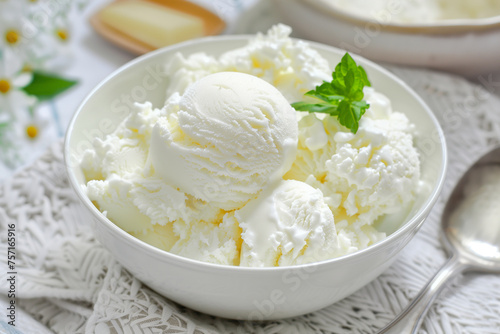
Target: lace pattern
[(69, 283)]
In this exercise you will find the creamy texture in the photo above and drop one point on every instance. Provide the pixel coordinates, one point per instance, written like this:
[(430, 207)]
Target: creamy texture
[(364, 175), (121, 185), (293, 67), (224, 139), (124, 187), (224, 173), (419, 11), (288, 224), (171, 176)]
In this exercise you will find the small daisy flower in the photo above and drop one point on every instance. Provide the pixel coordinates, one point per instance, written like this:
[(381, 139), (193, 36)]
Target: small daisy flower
[(49, 49), (12, 79), (27, 137), (59, 38), (12, 15), (35, 131)]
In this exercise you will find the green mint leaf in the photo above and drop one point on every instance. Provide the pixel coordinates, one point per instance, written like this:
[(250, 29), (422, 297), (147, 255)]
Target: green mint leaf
[(301, 106), (347, 117), (343, 96), (357, 95), (334, 99), (319, 96), (364, 77), (351, 82), (361, 105), (350, 114), (338, 84), (324, 89), (324, 108), (357, 110), (46, 86)]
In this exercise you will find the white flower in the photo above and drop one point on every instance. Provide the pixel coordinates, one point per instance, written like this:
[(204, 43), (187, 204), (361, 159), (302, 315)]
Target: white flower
[(27, 137), (12, 80), (12, 19), (56, 52), (34, 131)]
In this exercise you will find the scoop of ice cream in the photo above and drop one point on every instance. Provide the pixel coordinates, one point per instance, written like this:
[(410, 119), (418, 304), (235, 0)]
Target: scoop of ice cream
[(364, 175), (224, 139), (287, 224), (119, 184)]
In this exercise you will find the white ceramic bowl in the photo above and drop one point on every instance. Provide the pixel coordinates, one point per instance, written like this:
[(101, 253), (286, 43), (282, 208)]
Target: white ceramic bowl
[(464, 46), (238, 292)]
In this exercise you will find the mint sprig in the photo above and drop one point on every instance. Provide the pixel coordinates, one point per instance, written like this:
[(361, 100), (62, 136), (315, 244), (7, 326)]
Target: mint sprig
[(45, 86), (343, 97)]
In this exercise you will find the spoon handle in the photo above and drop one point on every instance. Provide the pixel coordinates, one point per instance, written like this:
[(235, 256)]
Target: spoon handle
[(409, 320)]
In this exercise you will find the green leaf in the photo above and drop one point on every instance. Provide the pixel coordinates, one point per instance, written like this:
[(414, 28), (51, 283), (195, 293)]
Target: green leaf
[(351, 83), (319, 96), (324, 108), (358, 95), (343, 97), (325, 89), (46, 86), (334, 99), (347, 117), (364, 76), (361, 104), (301, 106)]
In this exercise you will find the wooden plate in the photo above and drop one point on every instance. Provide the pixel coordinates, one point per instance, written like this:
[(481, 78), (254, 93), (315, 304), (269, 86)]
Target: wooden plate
[(214, 25)]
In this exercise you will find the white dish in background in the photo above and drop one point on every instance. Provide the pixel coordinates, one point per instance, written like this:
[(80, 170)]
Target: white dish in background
[(242, 292), (463, 46), (212, 23)]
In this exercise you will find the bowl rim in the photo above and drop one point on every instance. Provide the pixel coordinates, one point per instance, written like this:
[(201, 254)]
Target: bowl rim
[(442, 27), (417, 219)]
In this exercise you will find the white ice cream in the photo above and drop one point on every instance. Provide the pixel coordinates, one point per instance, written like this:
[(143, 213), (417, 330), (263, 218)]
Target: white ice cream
[(121, 185), (225, 139), (288, 224), (224, 172), (293, 67), (364, 175), (171, 176)]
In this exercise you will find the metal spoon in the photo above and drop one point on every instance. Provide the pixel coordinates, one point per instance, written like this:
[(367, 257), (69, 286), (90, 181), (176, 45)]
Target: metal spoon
[(473, 245)]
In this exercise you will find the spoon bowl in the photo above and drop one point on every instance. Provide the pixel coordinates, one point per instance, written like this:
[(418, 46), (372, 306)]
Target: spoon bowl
[(477, 241), (471, 235)]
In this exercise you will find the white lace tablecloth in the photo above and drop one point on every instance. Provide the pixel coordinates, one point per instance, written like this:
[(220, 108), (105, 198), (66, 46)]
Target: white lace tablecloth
[(67, 282)]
